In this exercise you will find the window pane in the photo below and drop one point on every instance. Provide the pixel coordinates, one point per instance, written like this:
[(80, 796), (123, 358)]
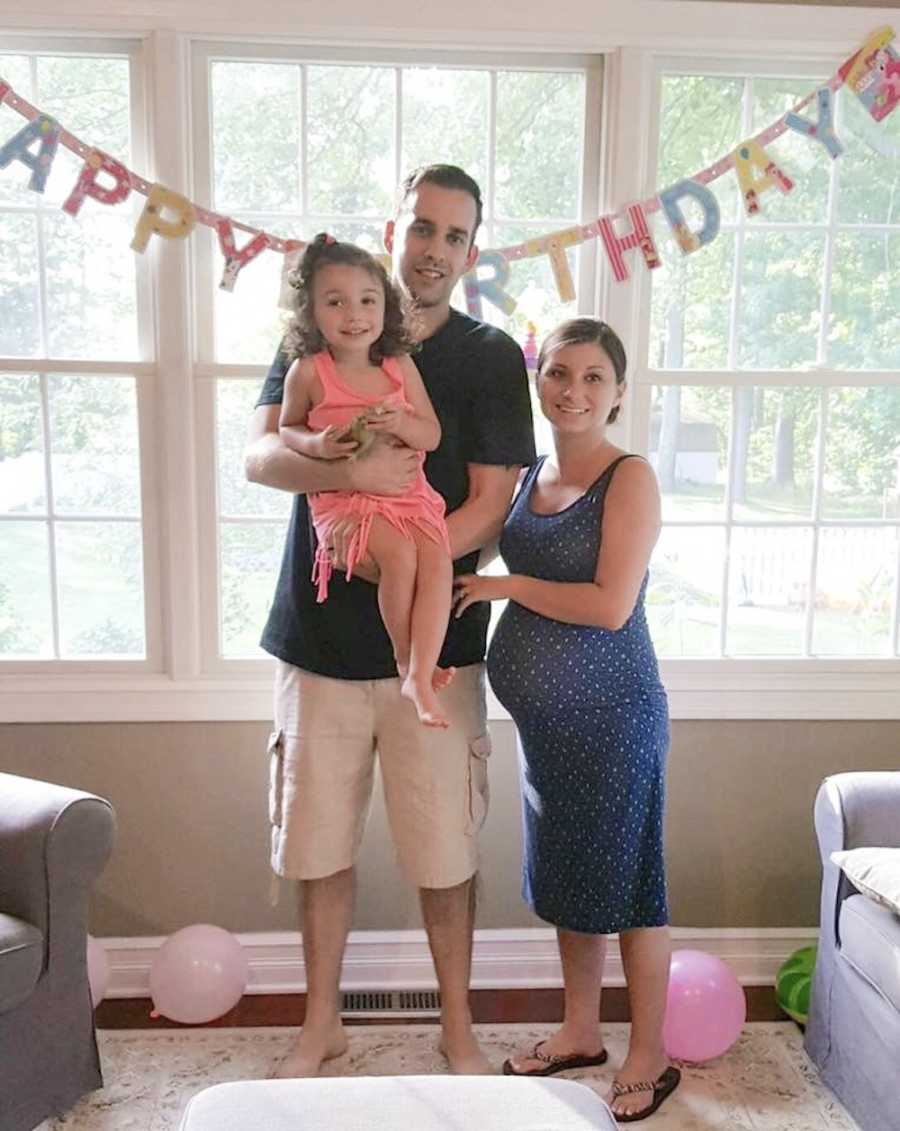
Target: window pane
[(445, 118), (700, 120), (540, 118), (768, 585), (862, 455), (19, 294), (248, 320), (868, 169), (94, 445), (691, 306), (532, 285), (90, 95), (864, 330), (234, 405), (688, 448), (805, 162), (855, 582), (684, 593), (25, 617), (350, 123), (14, 179), (250, 556), (101, 591), (22, 486), (780, 299), (91, 297), (256, 135), (774, 478)]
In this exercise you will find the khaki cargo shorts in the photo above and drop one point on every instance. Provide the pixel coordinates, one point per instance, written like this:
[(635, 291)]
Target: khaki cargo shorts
[(322, 763)]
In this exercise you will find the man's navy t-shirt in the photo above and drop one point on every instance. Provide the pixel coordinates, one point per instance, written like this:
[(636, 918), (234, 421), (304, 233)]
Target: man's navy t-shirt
[(475, 377)]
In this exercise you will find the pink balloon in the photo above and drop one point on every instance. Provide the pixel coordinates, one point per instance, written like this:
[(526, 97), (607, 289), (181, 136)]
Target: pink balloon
[(706, 1007), (98, 970), (198, 974)]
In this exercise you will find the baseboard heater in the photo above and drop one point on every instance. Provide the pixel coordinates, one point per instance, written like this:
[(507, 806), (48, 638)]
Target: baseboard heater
[(391, 1003)]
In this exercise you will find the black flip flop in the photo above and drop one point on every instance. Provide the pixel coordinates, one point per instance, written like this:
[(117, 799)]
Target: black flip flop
[(560, 1062), (661, 1088)]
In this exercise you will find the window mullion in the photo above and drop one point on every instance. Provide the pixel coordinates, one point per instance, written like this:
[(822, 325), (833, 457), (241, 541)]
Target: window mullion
[(303, 94), (398, 125), (491, 161), (179, 549), (51, 516), (816, 528)]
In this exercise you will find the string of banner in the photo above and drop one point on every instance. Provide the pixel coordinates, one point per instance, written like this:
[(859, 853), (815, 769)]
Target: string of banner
[(872, 73)]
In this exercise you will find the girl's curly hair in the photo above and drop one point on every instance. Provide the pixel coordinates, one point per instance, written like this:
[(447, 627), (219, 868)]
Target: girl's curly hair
[(303, 337)]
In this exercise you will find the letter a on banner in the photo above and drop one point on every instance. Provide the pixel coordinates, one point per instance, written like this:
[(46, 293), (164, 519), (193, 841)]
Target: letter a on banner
[(86, 185), (490, 288), (237, 258), (821, 130), (638, 237), (151, 220), (686, 239), (749, 155), (43, 129)]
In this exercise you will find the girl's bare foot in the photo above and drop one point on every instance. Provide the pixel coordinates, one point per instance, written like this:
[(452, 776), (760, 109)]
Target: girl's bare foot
[(425, 702), (441, 677)]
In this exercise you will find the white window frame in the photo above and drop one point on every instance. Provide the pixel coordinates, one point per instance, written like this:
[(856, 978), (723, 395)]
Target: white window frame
[(777, 687), (633, 38), (207, 370), (140, 368)]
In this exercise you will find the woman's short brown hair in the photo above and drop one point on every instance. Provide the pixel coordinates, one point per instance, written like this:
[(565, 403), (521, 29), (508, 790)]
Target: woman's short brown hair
[(582, 331)]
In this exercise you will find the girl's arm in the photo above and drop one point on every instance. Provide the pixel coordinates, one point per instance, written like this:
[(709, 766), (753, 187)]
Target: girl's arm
[(417, 426), (292, 426), (631, 523)]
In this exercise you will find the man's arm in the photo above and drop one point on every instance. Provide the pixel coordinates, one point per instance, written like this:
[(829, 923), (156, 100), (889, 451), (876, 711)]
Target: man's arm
[(267, 460), (480, 518)]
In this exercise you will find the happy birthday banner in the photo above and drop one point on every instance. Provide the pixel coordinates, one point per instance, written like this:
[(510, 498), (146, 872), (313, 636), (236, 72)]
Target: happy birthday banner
[(872, 73)]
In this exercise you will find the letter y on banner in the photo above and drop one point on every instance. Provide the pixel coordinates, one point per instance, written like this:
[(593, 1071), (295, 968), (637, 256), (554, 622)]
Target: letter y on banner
[(237, 258)]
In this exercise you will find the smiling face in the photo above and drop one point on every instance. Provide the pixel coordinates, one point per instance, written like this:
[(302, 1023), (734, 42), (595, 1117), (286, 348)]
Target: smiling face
[(578, 388), (348, 308), (432, 242)]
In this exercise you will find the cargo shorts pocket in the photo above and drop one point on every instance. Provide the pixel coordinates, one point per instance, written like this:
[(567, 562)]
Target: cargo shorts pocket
[(275, 751), (479, 788)]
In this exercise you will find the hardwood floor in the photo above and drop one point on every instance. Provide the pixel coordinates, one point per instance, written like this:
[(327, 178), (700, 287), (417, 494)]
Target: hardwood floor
[(488, 1007)]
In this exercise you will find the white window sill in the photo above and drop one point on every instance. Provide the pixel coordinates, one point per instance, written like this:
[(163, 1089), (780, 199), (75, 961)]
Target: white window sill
[(869, 689)]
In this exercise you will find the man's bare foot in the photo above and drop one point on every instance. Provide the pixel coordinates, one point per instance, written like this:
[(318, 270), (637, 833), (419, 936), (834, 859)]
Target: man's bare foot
[(463, 1054), (314, 1046), (636, 1068), (425, 702)]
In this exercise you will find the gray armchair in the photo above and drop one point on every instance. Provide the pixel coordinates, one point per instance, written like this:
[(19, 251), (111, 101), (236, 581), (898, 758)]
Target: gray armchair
[(53, 845), (853, 1032)]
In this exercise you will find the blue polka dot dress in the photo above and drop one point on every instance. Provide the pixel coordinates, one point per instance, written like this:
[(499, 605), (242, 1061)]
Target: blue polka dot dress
[(593, 729)]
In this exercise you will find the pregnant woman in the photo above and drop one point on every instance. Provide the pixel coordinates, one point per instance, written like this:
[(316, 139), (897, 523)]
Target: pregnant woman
[(573, 663)]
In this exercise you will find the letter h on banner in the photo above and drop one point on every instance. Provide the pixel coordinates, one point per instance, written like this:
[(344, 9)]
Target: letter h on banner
[(639, 237)]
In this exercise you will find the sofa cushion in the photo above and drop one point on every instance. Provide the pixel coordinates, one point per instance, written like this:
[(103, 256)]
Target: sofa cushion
[(21, 960), (873, 871), (870, 942)]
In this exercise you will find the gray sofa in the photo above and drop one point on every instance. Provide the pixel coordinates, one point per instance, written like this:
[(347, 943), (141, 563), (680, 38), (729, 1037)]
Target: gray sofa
[(53, 845), (853, 1033)]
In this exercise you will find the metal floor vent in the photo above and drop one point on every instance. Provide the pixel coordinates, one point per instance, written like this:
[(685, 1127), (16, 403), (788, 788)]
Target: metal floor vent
[(399, 1003)]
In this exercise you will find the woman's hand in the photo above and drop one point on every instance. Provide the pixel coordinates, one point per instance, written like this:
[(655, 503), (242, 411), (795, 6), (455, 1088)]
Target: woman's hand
[(469, 588)]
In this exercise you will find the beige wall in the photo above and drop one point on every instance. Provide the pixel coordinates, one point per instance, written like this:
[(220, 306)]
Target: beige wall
[(192, 842)]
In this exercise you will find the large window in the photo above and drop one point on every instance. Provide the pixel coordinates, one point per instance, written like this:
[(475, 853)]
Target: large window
[(319, 144), (72, 576), (771, 393)]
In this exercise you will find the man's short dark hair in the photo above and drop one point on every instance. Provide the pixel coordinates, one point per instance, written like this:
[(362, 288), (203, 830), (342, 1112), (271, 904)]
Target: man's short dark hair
[(444, 176)]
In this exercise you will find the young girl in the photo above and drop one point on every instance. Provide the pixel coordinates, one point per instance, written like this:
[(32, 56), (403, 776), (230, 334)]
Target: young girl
[(353, 383)]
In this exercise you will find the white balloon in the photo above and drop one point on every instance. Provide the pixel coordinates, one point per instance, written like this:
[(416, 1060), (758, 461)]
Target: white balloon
[(98, 970), (199, 973)]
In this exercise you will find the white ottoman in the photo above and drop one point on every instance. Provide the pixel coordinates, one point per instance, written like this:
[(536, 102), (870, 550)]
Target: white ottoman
[(399, 1103)]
